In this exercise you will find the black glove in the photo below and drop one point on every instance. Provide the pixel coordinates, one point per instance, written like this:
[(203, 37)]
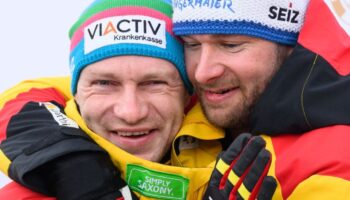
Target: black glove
[(245, 161), (85, 176), (58, 159)]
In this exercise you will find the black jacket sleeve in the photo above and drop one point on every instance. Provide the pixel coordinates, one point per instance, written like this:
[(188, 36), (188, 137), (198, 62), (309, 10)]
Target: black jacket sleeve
[(38, 134)]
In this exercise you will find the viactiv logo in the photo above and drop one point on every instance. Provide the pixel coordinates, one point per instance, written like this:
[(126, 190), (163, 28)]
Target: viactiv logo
[(135, 29), (341, 10), (156, 184)]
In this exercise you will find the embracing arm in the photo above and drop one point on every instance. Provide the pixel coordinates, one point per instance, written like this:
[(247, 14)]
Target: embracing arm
[(19, 118), (44, 150)]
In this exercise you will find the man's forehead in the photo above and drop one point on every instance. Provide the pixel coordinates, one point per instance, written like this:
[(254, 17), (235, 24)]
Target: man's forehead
[(215, 37), (132, 69)]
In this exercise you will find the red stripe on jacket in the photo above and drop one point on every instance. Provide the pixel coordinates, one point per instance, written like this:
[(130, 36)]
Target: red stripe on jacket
[(16, 191), (318, 152), (13, 106), (323, 34)]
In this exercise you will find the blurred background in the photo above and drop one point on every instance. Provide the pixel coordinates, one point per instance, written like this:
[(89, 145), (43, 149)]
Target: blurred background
[(34, 40)]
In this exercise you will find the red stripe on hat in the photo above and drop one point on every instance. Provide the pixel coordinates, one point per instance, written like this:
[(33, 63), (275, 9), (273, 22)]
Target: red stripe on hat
[(126, 10), (323, 35)]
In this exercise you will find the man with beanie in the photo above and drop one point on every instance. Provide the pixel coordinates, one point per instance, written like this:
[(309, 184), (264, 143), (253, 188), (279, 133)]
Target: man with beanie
[(233, 49), (129, 90)]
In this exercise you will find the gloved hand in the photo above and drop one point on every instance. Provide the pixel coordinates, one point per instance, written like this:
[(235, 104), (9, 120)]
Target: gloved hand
[(59, 159), (241, 171), (86, 176)]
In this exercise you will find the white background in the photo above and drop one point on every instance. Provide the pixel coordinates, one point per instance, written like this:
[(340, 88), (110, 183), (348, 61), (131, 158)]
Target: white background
[(34, 40)]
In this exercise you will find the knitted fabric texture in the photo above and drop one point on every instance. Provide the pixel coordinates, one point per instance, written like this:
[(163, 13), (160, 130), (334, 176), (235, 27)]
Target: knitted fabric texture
[(110, 28), (275, 20)]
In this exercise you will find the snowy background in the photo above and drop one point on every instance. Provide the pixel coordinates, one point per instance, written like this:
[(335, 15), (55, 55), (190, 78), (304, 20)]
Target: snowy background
[(34, 40)]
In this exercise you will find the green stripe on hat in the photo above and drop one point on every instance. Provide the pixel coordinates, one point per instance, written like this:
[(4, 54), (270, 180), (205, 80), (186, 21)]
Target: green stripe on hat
[(161, 6)]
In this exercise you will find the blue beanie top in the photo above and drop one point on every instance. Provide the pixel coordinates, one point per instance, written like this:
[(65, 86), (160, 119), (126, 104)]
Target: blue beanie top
[(110, 28), (275, 20)]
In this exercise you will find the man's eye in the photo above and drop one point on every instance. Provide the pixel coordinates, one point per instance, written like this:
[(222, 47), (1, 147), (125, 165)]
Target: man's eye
[(103, 82), (230, 45), (154, 82), (191, 44)]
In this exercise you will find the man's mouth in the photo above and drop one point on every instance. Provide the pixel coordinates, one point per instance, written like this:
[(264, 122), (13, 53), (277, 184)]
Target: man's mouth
[(133, 134), (136, 133), (131, 139), (223, 91), (219, 95)]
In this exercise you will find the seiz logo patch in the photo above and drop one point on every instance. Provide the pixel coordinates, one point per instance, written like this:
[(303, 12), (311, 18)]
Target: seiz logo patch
[(286, 14), (156, 184), (341, 11), (125, 29), (210, 4)]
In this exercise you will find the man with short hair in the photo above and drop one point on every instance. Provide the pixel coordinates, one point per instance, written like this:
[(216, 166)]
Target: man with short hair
[(232, 53)]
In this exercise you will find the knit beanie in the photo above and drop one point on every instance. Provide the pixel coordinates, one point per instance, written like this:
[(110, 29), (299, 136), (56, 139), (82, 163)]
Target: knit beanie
[(109, 28), (275, 20)]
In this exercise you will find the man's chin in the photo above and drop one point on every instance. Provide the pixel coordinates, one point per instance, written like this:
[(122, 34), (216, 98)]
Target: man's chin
[(226, 118), (150, 157), (218, 117)]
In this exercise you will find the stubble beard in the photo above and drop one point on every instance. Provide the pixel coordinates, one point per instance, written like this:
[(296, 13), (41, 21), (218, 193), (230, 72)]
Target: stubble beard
[(233, 117), (236, 118)]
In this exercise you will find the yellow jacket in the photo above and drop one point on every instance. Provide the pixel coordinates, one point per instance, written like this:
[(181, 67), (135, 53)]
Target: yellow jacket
[(192, 165), (313, 165)]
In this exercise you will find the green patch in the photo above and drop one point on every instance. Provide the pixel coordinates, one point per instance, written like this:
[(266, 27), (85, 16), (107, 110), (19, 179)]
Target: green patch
[(156, 184)]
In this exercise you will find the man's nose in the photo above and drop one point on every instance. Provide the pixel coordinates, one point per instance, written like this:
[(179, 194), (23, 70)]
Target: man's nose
[(131, 108), (208, 66)]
